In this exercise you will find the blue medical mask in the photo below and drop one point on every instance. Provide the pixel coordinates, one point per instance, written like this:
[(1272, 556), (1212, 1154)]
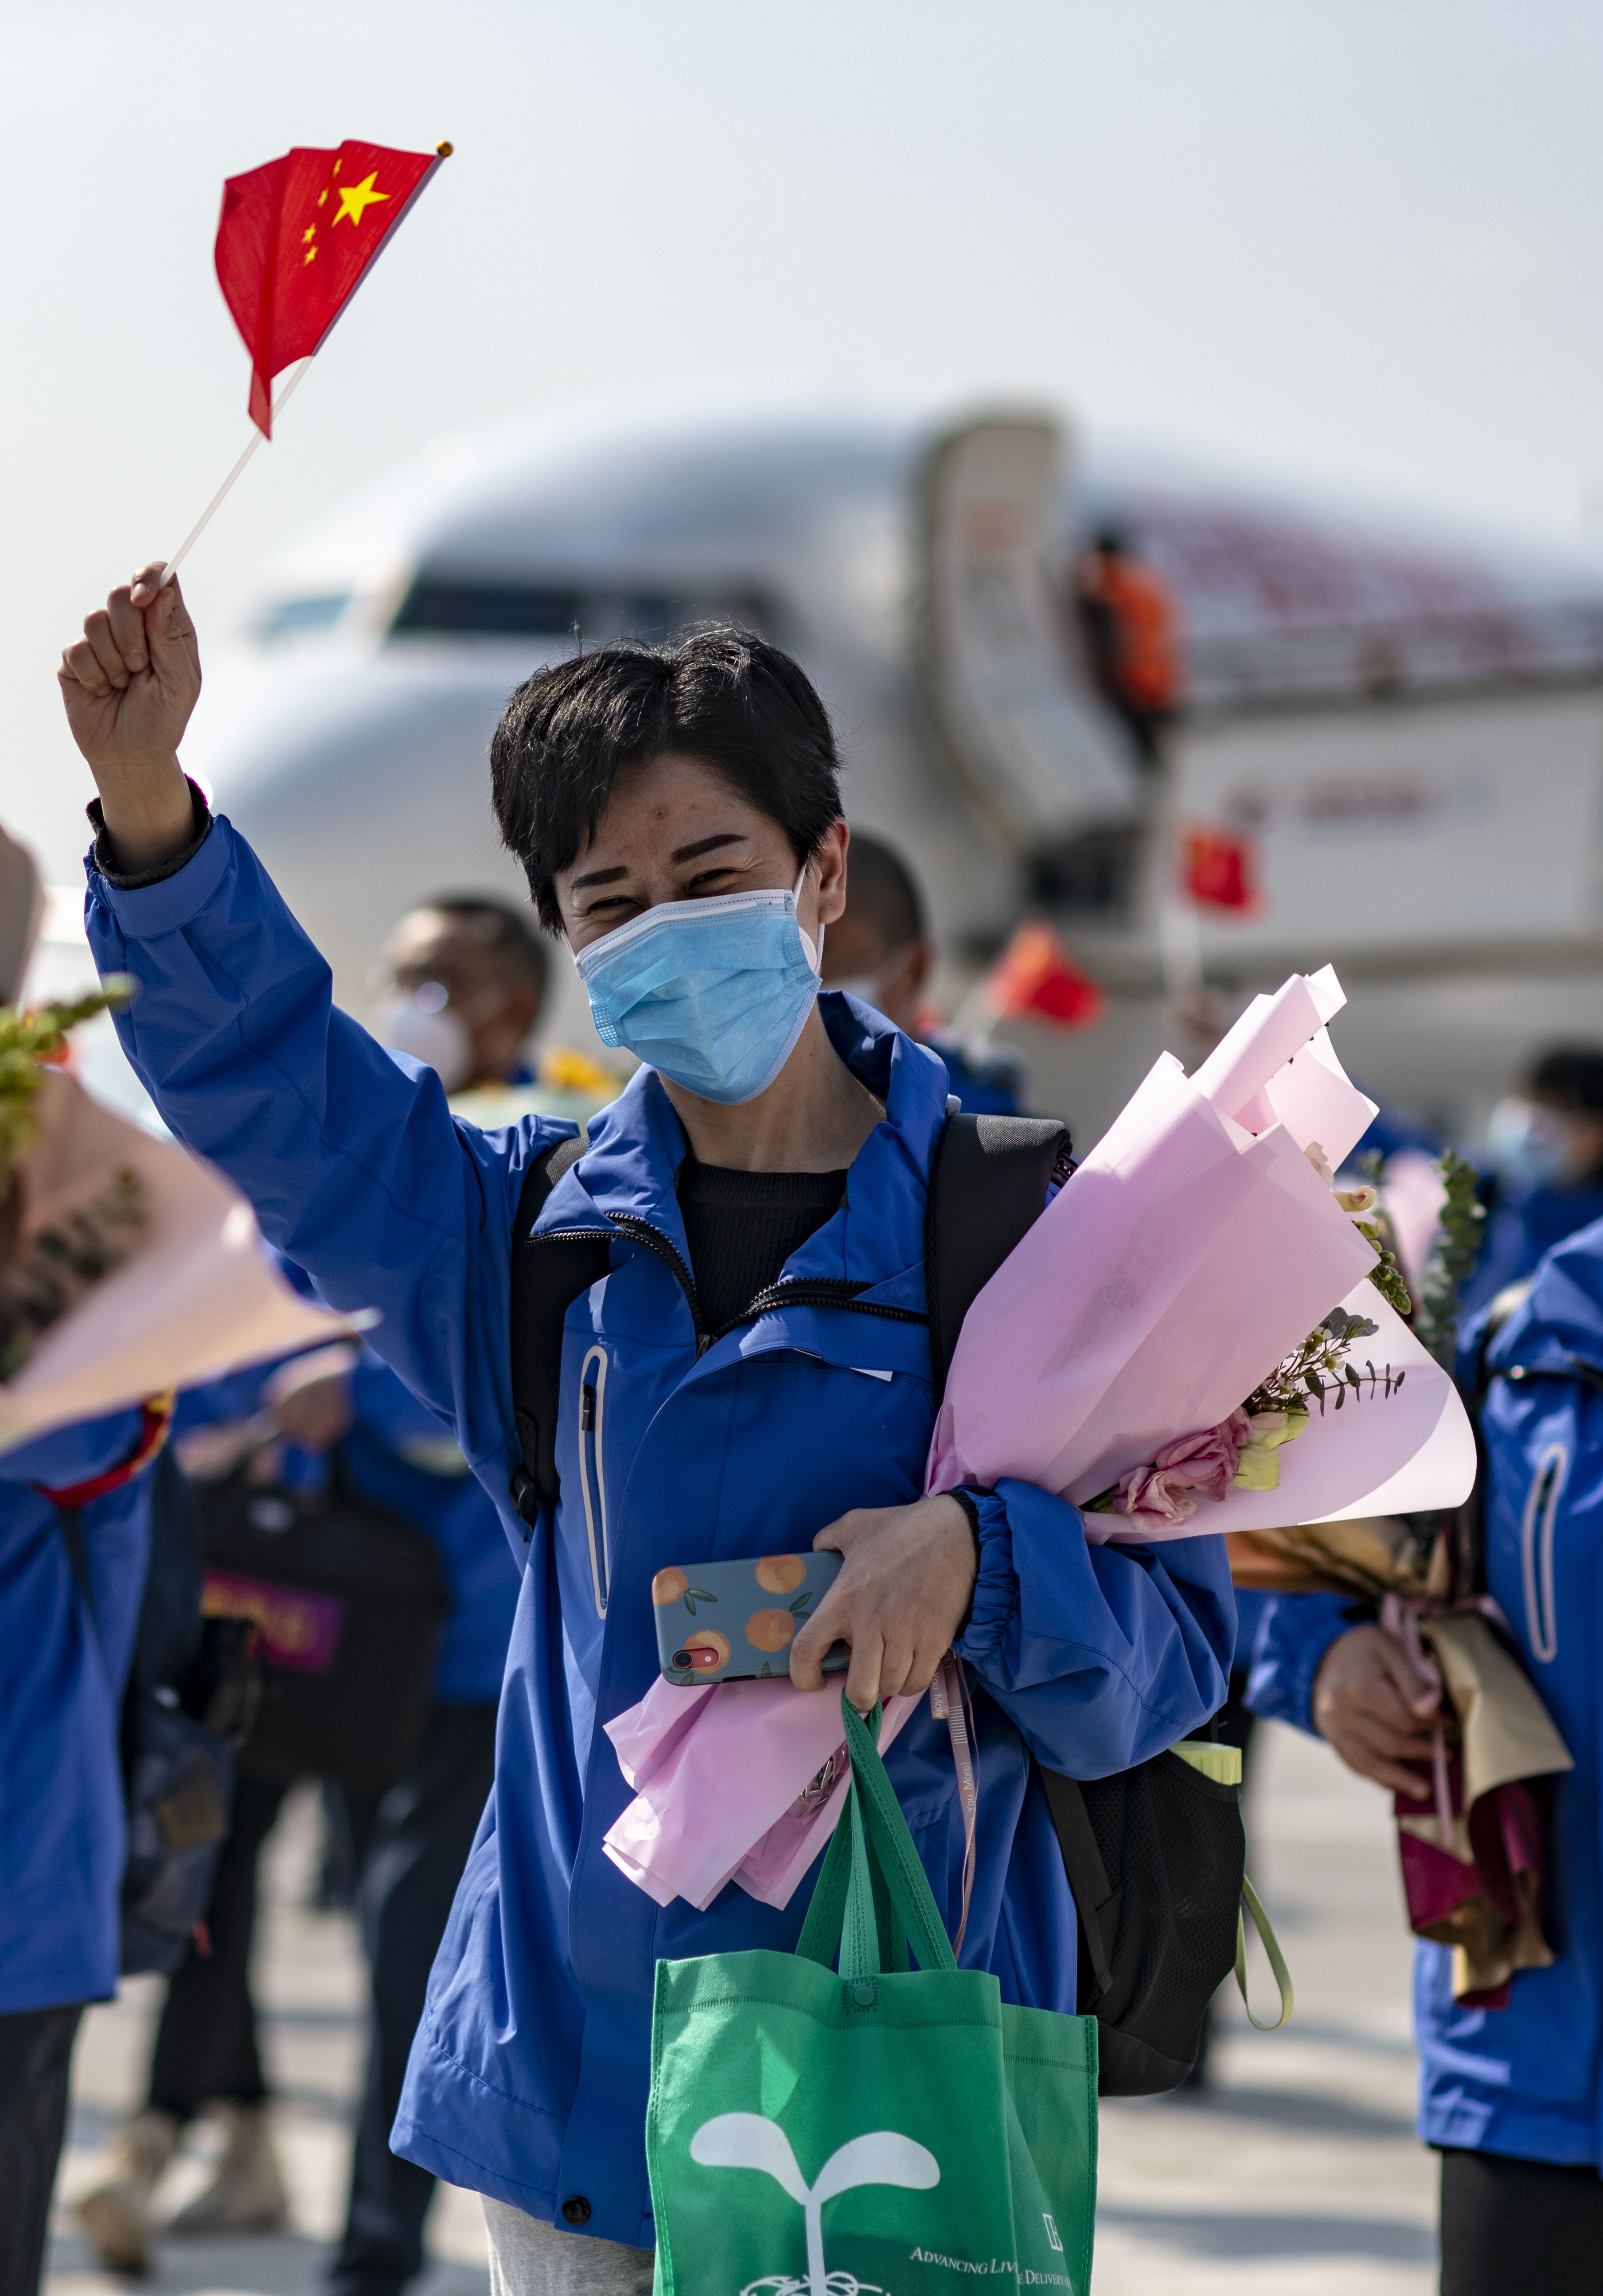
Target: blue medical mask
[(1526, 1142), (712, 994)]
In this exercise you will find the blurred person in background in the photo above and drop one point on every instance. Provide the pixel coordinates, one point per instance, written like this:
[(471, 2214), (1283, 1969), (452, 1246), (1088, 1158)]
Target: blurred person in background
[(460, 986), (1131, 638), (1512, 2097), (1544, 1145), (394, 1453), (880, 952), (75, 1530)]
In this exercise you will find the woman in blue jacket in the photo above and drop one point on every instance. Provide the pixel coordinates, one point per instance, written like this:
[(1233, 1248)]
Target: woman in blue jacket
[(63, 1664), (1513, 2097), (751, 1373)]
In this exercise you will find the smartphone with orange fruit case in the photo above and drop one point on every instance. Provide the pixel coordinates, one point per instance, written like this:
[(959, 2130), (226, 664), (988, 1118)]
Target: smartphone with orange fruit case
[(735, 1622)]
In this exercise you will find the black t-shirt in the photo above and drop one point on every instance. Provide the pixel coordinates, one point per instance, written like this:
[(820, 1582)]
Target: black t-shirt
[(742, 1227)]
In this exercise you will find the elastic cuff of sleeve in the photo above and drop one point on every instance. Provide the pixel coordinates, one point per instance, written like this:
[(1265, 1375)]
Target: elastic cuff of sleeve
[(100, 851), (995, 1597)]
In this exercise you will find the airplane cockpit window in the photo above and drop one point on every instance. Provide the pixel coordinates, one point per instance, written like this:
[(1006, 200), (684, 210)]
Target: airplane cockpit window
[(439, 605), (293, 617), (445, 607)]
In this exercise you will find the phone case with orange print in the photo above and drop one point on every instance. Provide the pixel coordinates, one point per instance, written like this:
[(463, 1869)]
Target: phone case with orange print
[(735, 1622)]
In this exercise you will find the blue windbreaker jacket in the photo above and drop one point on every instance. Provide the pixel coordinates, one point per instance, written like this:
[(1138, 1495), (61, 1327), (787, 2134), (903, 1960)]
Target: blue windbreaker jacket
[(62, 1837), (528, 2076), (1527, 2079)]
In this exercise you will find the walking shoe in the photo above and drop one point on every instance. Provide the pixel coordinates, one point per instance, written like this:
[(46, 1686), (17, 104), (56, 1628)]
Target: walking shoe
[(247, 2193), (115, 2218)]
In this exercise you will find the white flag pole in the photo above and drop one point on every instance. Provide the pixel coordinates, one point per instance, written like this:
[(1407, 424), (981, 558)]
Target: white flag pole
[(205, 519)]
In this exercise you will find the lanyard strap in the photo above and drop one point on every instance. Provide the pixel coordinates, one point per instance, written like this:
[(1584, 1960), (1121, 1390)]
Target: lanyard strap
[(155, 1425)]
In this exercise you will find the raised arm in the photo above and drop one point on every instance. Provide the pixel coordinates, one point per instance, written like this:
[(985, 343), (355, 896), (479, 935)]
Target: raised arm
[(351, 1159)]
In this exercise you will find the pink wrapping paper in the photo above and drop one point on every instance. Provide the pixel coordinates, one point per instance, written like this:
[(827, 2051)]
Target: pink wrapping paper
[(197, 1296), (721, 1771)]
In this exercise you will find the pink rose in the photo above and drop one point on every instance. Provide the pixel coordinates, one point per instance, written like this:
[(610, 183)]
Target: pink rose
[(1165, 1493)]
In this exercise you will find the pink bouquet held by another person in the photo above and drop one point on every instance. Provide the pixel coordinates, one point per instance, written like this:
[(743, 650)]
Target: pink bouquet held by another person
[(127, 1267), (1200, 1334)]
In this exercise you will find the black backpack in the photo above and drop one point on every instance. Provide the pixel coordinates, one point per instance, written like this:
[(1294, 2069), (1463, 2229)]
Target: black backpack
[(1155, 1856), (348, 1599), (186, 1706)]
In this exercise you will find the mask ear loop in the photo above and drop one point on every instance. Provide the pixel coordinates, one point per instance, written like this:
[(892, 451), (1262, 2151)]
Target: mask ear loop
[(817, 955)]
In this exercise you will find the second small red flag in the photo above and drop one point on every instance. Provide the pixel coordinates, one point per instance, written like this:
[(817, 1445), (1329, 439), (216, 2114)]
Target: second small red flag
[(294, 240)]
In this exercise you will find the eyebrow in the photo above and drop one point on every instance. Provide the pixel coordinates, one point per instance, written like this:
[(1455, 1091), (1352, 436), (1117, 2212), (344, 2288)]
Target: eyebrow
[(684, 853), (709, 845)]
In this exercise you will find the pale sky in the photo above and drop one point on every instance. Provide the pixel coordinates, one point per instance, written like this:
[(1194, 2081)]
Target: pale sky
[(1352, 243)]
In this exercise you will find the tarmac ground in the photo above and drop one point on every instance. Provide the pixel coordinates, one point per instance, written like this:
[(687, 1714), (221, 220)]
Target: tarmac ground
[(1296, 2172)]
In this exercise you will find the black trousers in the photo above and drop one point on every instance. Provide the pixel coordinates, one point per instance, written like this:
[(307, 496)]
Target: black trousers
[(1510, 2224), (206, 2048), (421, 1834), (36, 2056)]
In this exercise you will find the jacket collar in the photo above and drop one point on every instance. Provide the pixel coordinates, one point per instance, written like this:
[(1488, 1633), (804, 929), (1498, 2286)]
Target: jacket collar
[(876, 1239)]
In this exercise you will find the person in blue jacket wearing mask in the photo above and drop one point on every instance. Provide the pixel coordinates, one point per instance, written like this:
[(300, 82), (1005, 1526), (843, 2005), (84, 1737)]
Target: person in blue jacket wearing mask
[(1513, 2097), (879, 951), (395, 1454), (751, 1375), (62, 1832), (1544, 1145), (461, 987)]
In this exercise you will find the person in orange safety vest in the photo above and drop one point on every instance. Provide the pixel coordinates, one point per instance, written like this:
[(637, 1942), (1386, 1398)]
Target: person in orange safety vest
[(1129, 625)]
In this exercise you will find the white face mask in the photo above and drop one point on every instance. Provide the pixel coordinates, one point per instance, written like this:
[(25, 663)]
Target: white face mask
[(422, 1024)]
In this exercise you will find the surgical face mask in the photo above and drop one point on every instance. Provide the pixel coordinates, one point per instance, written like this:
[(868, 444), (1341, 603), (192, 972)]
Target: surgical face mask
[(422, 1023), (711, 993), (1529, 1143)]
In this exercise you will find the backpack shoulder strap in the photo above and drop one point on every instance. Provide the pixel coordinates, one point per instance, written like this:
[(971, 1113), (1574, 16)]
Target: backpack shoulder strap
[(988, 1185), (546, 1278)]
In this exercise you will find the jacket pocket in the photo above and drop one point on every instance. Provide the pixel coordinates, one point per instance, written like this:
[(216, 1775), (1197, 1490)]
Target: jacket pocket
[(592, 1474)]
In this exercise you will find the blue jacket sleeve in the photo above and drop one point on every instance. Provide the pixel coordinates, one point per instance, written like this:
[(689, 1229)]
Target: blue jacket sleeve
[(1296, 1632), (1102, 1656), (352, 1158)]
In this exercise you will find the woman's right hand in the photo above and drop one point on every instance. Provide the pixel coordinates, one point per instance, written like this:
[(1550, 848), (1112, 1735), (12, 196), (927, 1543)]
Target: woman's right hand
[(129, 684)]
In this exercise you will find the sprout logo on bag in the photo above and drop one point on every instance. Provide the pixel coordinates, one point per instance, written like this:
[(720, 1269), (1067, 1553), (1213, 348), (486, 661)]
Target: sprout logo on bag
[(745, 2140)]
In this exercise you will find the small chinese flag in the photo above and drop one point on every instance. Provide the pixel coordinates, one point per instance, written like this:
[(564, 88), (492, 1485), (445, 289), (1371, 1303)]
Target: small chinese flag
[(294, 242), (1036, 979), (1219, 868)]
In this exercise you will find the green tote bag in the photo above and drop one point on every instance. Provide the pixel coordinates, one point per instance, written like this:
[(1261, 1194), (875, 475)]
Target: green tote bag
[(810, 2134)]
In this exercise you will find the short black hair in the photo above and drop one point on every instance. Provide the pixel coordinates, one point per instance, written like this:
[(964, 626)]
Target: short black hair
[(1572, 1075), (881, 887), (722, 695), (512, 935)]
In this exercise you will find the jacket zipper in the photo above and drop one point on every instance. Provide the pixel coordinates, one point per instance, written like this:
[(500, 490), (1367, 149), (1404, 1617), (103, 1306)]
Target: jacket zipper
[(801, 1292), (592, 1406)]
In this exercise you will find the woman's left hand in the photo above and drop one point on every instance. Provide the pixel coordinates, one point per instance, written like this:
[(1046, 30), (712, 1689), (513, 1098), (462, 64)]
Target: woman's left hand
[(903, 1591)]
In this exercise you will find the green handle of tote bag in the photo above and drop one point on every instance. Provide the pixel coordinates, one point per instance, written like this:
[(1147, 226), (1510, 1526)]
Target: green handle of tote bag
[(873, 1896)]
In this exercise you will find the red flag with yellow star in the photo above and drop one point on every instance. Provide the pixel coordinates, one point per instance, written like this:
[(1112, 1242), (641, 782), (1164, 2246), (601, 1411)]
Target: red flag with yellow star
[(294, 240)]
